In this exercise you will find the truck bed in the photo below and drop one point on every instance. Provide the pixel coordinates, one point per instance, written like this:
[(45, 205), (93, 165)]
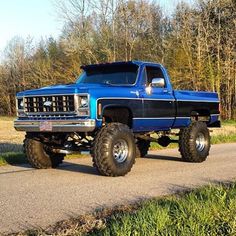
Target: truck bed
[(191, 103)]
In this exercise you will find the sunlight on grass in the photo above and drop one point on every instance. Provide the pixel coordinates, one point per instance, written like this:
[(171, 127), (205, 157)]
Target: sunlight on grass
[(207, 211), (230, 138), (229, 122)]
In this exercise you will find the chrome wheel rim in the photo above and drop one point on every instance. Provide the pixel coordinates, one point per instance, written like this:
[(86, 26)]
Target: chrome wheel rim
[(200, 142), (120, 151)]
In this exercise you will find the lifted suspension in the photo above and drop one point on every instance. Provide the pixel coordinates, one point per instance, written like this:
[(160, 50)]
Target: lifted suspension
[(164, 140)]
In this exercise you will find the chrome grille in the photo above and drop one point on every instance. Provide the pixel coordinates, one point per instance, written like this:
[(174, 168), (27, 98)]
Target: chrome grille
[(52, 117), (59, 104)]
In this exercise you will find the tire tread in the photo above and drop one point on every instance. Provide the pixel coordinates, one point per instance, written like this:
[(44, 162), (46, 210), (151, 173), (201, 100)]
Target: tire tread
[(100, 149), (187, 145)]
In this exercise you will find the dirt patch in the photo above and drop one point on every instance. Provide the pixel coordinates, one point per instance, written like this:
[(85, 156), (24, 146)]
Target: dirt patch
[(224, 130), (8, 134), (10, 139)]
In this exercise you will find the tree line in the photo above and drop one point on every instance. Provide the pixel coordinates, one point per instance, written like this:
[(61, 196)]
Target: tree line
[(196, 44)]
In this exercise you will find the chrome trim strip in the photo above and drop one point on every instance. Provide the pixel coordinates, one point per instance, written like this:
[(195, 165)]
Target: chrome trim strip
[(181, 100), (42, 95), (51, 113), (153, 118), (140, 98), (158, 99), (183, 117), (81, 125), (160, 118), (53, 117)]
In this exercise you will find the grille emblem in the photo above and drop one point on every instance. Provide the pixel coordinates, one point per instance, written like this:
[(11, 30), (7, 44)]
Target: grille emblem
[(47, 103)]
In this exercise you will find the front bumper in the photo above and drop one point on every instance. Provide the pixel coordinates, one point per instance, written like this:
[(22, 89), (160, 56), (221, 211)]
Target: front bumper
[(81, 125)]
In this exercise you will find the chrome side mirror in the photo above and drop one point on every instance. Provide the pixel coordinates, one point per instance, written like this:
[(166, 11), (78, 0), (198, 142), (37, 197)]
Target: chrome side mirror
[(148, 90), (158, 82)]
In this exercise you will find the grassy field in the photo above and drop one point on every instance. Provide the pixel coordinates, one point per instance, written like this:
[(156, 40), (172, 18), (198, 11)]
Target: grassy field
[(209, 210), (11, 141)]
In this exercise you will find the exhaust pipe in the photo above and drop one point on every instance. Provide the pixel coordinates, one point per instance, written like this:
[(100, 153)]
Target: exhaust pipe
[(68, 152), (62, 151)]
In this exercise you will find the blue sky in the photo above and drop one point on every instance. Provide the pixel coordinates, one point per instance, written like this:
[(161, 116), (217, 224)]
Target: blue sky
[(38, 18), (35, 18)]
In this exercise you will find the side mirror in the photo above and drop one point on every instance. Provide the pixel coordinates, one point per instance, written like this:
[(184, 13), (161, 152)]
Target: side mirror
[(158, 82)]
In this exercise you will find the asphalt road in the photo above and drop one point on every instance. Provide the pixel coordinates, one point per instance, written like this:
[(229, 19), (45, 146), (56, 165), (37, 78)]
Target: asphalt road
[(32, 198)]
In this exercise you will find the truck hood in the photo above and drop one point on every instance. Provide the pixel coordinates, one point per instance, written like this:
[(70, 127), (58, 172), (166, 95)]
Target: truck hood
[(63, 89)]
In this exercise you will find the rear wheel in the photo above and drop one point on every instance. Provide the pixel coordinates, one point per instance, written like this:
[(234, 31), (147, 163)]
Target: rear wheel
[(113, 150), (38, 155), (194, 142)]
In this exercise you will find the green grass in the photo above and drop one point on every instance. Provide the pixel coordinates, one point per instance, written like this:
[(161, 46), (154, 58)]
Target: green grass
[(207, 211), (12, 158), (229, 122), (156, 146), (230, 138)]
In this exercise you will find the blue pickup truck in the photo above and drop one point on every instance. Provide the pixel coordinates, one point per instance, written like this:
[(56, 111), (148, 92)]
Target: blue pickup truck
[(114, 110)]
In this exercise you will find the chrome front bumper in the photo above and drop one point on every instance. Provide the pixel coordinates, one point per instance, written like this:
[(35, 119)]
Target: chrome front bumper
[(81, 125)]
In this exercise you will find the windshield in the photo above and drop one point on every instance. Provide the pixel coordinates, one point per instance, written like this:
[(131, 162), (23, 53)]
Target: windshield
[(114, 75)]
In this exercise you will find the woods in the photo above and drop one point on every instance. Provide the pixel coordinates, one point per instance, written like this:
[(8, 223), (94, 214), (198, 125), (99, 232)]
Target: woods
[(196, 43)]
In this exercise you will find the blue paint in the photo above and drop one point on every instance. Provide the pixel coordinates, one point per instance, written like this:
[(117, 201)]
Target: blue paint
[(137, 92)]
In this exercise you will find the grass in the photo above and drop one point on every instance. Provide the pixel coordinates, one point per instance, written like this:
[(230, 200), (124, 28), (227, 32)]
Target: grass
[(209, 210), (229, 122), (12, 158), (222, 138)]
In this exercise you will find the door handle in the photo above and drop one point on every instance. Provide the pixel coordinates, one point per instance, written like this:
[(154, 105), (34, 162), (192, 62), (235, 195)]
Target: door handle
[(137, 93), (166, 91)]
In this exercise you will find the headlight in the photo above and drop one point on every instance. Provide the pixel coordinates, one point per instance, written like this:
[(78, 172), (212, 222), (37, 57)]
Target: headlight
[(83, 102), (20, 107), (20, 104)]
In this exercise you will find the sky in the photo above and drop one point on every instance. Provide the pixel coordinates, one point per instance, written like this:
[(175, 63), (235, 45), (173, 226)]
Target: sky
[(38, 18), (35, 18)]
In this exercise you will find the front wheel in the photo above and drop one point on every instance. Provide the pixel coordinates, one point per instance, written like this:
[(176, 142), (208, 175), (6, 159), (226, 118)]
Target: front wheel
[(38, 156), (194, 142), (114, 150)]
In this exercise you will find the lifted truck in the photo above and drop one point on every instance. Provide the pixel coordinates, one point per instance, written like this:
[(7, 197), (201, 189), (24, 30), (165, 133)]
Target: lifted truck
[(113, 110)]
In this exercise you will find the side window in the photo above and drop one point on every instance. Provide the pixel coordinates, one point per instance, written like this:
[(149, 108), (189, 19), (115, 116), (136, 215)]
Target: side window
[(153, 72)]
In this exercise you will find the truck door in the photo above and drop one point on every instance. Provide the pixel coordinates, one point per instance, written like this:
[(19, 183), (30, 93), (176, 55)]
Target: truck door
[(158, 101)]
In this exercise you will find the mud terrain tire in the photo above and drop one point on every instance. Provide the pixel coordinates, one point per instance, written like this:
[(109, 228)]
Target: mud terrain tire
[(194, 142), (114, 150), (38, 157)]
